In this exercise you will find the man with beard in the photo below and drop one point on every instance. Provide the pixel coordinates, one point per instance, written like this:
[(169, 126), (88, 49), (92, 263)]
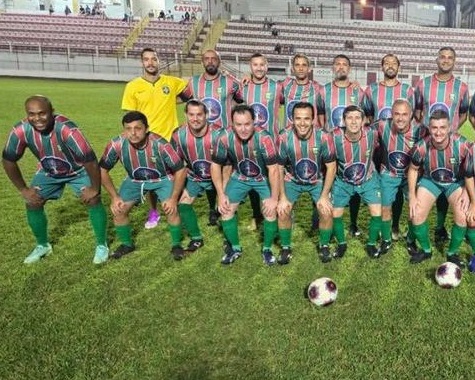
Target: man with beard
[(442, 91), (441, 159), (152, 165), (155, 95), (303, 152), (397, 137), (253, 156), (194, 143), (336, 96), (66, 158)]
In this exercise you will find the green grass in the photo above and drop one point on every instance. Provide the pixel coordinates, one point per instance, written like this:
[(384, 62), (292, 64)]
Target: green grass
[(149, 317)]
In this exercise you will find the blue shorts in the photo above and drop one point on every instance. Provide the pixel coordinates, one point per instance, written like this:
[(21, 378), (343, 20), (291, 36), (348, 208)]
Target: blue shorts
[(390, 186), (196, 188), (238, 190), (134, 191), (294, 190), (370, 191), (53, 187), (437, 188)]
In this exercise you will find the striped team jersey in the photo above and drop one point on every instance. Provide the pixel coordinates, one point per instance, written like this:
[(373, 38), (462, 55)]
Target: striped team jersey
[(354, 158), (265, 98), (61, 153), (469, 167), (450, 96), (303, 160), (155, 162), (336, 99), (248, 158), (218, 94), (472, 106), (442, 166), (396, 148), (294, 93), (379, 99), (196, 151)]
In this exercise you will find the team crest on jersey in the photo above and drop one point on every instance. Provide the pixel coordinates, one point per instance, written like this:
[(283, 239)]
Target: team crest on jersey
[(268, 95), (452, 96), (56, 167), (202, 169), (305, 169), (337, 116), (385, 113), (410, 144), (214, 109), (355, 173), (249, 168), (145, 174), (453, 160), (399, 160), (219, 90), (439, 106), (261, 114), (315, 150), (166, 90), (352, 99), (443, 175), (290, 108)]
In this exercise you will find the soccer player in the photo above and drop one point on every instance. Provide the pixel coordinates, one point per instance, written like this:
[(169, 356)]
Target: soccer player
[(470, 187), (65, 157), (397, 137), (155, 95), (354, 148), (152, 165), (441, 158), (253, 156), (219, 93), (194, 143), (442, 91), (303, 152)]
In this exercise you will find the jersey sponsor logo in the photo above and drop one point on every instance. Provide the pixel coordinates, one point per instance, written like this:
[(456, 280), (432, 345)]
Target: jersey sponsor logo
[(214, 109), (443, 175), (56, 167), (439, 106), (355, 173), (399, 160), (385, 113), (290, 108), (249, 168), (305, 169), (166, 90), (145, 174), (261, 113), (202, 169), (337, 116)]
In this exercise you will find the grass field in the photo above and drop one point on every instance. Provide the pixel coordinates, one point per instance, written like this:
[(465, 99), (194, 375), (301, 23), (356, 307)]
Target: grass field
[(149, 317)]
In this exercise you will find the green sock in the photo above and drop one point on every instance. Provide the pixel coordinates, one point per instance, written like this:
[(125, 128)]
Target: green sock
[(124, 233), (471, 237), (386, 230), (285, 237), (39, 225), (421, 232), (442, 207), (98, 219), (325, 236), (339, 230), (190, 221), (374, 230), (355, 202), (270, 229), (175, 234), (230, 230), (456, 238)]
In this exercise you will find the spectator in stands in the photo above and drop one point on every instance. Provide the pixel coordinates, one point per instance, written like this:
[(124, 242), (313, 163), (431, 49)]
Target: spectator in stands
[(169, 15), (82, 11), (51, 9), (266, 23), (161, 16), (193, 16), (67, 10), (278, 48), (187, 16), (88, 10), (275, 32)]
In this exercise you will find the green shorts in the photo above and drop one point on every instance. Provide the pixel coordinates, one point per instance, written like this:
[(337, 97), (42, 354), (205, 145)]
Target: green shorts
[(370, 191), (437, 188), (294, 190), (134, 191), (53, 187), (238, 190), (196, 188), (389, 188)]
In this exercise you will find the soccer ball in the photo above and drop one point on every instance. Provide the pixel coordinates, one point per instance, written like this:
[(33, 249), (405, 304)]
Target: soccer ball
[(322, 291), (448, 275)]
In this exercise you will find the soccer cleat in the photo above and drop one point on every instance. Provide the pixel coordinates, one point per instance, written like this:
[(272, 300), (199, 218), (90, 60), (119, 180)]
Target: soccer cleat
[(230, 255), (268, 257), (385, 247), (354, 230), (213, 218), (441, 235), (419, 257), (340, 251), (152, 220), (101, 254), (372, 251), (324, 254), (471, 263), (411, 248), (178, 253), (194, 245), (456, 260), (123, 250), (285, 256), (38, 253), (395, 234)]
